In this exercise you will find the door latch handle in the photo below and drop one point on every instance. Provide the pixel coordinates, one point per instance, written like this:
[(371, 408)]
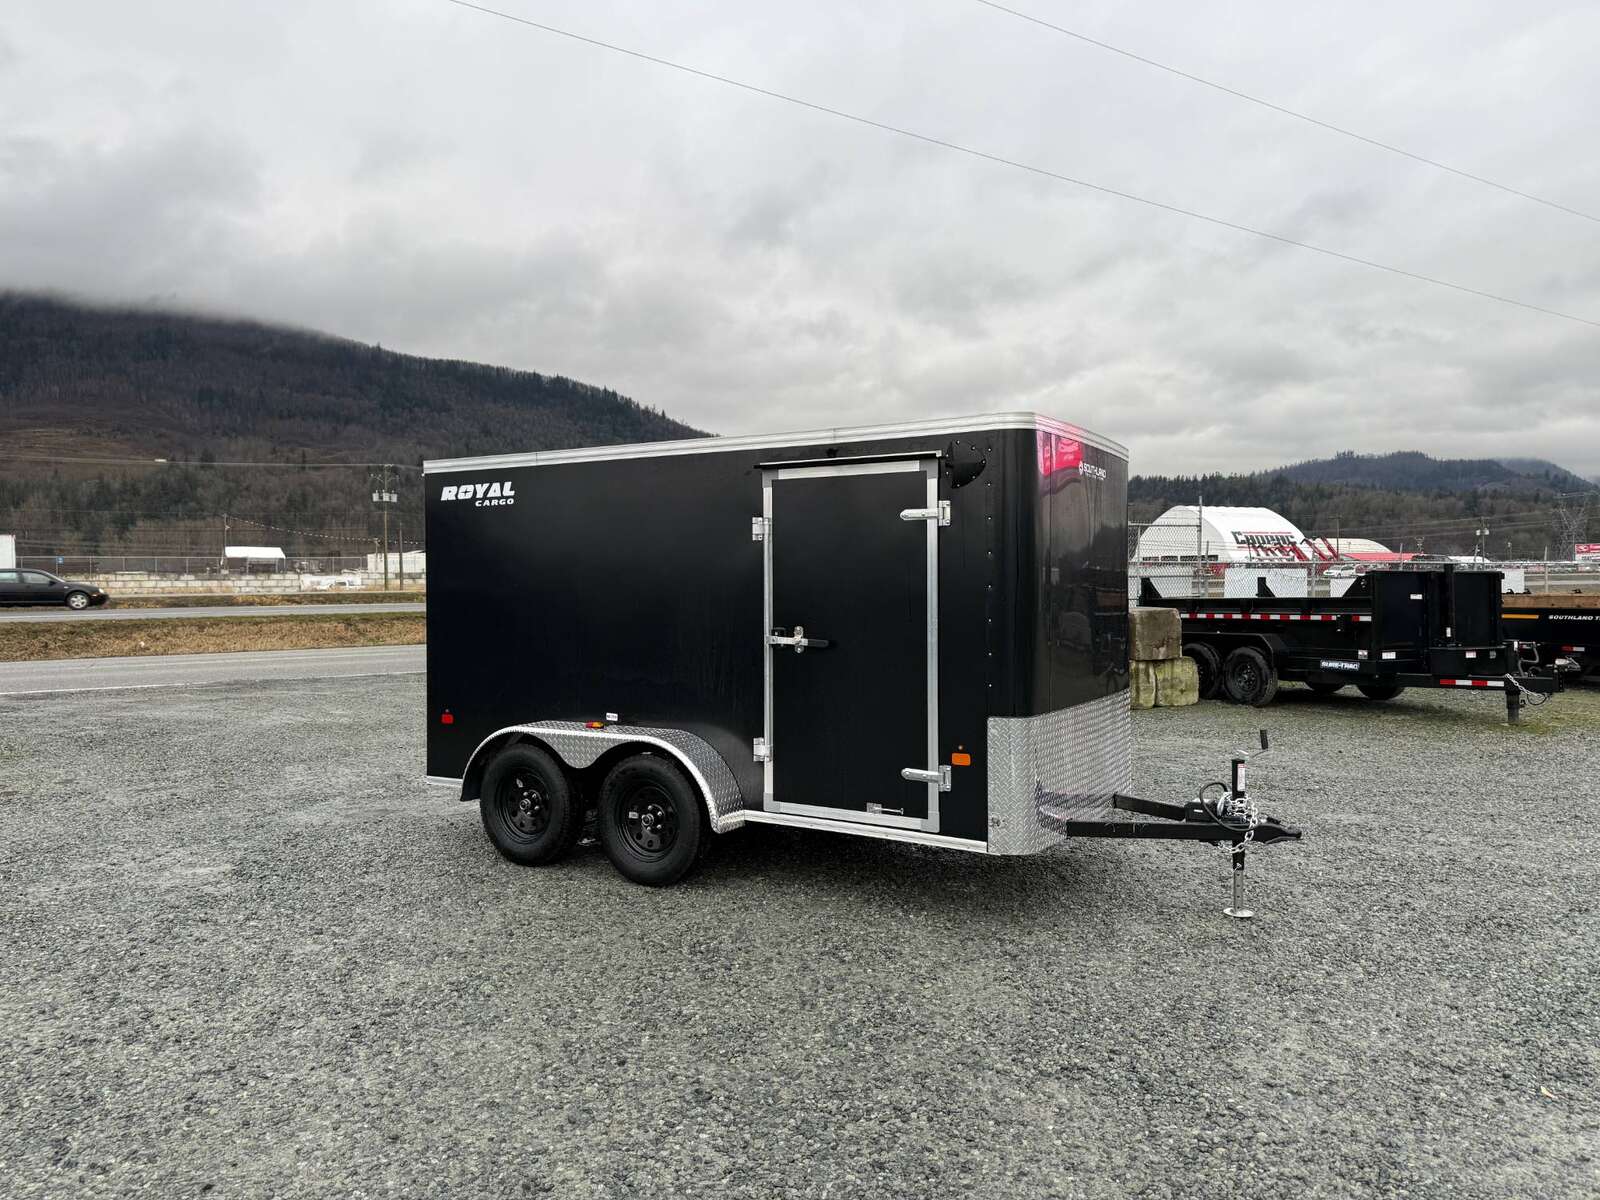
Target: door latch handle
[(940, 776), (797, 639), (940, 512)]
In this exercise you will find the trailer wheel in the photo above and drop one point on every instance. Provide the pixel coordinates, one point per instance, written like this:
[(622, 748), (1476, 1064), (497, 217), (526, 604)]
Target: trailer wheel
[(1207, 667), (1380, 691), (1249, 677), (1323, 688), (528, 807), (651, 822)]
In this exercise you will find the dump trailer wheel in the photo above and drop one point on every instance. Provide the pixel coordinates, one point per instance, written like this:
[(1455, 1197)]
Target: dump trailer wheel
[(1249, 677), (1380, 691), (651, 821), (529, 809), (1323, 688), (1207, 668)]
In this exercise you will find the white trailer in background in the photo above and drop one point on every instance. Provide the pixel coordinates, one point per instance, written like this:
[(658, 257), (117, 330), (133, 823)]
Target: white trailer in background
[(8, 551)]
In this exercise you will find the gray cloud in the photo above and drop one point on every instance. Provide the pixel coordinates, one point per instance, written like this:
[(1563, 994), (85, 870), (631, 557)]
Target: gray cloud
[(450, 184)]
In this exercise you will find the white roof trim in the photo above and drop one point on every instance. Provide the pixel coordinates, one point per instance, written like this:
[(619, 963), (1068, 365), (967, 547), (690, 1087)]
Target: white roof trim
[(754, 442)]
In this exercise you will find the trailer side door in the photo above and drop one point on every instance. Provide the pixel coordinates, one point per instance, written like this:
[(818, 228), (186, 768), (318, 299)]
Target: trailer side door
[(850, 626)]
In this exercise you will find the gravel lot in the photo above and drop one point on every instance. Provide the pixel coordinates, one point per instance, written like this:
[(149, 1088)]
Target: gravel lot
[(247, 954)]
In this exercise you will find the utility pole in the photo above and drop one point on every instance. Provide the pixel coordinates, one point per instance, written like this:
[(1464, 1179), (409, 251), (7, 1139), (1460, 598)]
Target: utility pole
[(223, 564), (402, 521), (384, 496)]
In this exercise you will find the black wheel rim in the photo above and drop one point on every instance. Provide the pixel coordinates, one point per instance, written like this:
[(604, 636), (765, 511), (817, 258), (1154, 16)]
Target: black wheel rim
[(524, 805), (648, 821), (1244, 678)]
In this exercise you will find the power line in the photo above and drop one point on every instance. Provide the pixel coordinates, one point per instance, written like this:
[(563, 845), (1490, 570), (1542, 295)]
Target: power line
[(1288, 112), (928, 139), (192, 462)]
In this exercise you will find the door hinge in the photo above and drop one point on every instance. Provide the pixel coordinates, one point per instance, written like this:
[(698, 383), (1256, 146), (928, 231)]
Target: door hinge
[(917, 775), (759, 527), (939, 512), (760, 748)]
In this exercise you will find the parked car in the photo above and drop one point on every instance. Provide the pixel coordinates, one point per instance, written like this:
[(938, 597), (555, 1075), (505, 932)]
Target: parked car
[(41, 587)]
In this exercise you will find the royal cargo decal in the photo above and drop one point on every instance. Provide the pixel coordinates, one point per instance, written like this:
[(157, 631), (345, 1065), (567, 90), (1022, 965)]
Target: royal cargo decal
[(482, 495)]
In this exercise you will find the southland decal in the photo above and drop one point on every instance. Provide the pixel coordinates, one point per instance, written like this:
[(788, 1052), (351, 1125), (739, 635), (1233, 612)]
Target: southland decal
[(482, 495)]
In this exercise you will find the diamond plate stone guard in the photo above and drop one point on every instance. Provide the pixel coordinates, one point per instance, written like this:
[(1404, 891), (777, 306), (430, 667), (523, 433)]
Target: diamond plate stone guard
[(1079, 757)]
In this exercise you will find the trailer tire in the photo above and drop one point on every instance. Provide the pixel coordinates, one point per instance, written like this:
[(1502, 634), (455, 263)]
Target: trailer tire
[(1249, 678), (1380, 691), (1323, 688), (1207, 668), (651, 821), (529, 808)]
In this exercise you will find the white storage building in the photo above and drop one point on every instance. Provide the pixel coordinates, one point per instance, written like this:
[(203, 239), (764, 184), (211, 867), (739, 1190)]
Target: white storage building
[(1223, 534)]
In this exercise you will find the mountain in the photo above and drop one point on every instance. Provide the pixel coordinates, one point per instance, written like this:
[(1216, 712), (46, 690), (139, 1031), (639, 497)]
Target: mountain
[(1411, 471), (1542, 467), (83, 382), (1406, 471), (1407, 500)]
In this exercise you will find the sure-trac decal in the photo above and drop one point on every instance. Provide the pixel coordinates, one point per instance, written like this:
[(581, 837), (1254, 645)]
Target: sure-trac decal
[(482, 495)]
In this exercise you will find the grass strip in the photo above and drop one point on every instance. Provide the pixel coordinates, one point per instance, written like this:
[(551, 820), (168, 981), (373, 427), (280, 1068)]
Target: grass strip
[(267, 599), (37, 641)]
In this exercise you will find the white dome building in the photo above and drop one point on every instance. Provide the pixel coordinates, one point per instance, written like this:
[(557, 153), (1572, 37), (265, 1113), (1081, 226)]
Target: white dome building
[(1223, 535)]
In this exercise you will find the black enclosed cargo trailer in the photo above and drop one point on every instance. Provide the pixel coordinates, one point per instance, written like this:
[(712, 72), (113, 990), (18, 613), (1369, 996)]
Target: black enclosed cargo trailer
[(915, 632), (1391, 630)]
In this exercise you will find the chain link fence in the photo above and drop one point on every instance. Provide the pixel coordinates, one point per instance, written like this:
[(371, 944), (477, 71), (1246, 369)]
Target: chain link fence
[(168, 564)]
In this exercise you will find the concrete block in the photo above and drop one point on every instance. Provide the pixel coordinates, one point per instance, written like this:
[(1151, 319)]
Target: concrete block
[(1154, 634), (1177, 682), (1142, 684)]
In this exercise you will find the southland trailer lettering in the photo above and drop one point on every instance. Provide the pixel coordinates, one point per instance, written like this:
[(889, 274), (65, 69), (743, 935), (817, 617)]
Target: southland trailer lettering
[(914, 632)]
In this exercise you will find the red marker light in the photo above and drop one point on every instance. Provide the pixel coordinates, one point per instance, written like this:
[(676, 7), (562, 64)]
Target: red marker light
[(447, 718), (595, 724)]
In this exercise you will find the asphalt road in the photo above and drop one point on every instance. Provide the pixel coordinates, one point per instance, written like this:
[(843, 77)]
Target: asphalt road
[(246, 953), (113, 613), (180, 670)]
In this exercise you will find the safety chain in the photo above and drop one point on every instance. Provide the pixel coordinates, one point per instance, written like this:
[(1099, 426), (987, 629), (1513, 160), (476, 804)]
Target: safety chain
[(1231, 813), (1531, 699)]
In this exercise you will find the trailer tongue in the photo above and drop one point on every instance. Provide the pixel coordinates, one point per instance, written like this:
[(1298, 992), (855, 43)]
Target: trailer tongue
[(1227, 817)]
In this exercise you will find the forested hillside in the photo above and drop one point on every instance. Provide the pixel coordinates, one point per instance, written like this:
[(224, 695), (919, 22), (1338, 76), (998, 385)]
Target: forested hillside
[(79, 382), (1406, 500)]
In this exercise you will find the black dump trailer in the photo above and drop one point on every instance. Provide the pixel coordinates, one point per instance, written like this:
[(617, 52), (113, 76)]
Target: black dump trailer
[(1391, 630), (915, 632), (1557, 630)]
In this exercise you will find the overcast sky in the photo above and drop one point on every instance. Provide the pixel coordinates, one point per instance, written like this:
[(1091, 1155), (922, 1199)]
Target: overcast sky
[(443, 182)]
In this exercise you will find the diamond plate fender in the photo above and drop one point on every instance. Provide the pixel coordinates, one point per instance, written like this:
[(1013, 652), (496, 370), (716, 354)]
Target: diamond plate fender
[(578, 746)]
